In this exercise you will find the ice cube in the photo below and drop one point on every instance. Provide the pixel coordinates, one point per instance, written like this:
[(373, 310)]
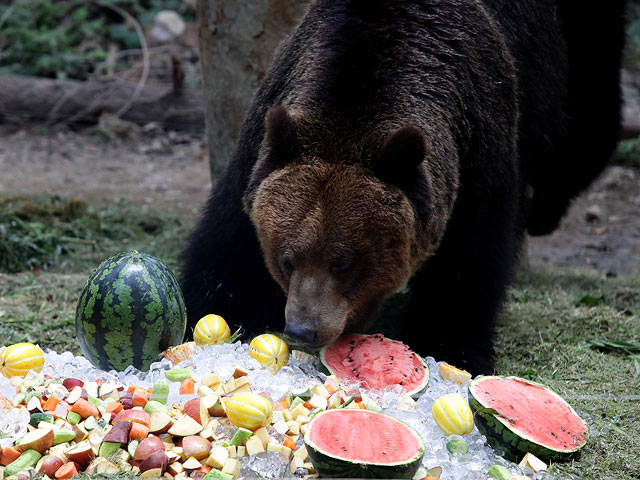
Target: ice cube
[(265, 465), (13, 422)]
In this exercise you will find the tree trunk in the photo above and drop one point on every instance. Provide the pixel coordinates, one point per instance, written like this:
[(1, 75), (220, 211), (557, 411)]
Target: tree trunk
[(237, 42)]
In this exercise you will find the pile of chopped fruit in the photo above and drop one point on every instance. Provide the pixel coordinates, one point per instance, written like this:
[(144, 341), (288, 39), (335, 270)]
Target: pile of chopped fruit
[(103, 427)]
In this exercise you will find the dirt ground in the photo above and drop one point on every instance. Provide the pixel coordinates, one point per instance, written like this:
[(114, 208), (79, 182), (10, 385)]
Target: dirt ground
[(170, 170)]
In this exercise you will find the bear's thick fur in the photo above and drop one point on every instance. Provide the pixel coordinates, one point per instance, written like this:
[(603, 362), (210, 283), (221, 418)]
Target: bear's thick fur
[(399, 142)]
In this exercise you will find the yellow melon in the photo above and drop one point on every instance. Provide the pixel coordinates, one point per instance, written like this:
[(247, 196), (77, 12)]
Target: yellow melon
[(211, 330), (271, 351), (18, 359), (249, 410), (452, 414)]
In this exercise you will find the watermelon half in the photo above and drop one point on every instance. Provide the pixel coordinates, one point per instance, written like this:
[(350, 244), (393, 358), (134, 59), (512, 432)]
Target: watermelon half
[(346, 443), (130, 310), (519, 416), (377, 362)]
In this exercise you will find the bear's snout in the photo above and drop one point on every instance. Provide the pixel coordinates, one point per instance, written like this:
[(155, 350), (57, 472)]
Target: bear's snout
[(309, 324), (316, 312), (307, 336)]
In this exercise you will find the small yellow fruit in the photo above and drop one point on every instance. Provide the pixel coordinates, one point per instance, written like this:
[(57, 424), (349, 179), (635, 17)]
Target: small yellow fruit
[(249, 410), (211, 330), (18, 359), (453, 374), (271, 351), (452, 414)]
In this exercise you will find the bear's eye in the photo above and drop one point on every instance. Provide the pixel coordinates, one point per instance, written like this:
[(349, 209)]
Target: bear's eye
[(341, 263), (286, 265)]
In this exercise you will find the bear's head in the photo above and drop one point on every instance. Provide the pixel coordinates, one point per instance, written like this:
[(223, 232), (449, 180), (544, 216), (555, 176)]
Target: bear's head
[(338, 235)]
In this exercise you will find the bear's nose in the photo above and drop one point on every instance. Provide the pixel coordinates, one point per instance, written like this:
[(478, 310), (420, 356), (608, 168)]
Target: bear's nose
[(301, 333)]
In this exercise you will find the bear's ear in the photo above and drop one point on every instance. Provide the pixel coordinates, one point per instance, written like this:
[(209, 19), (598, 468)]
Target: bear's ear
[(280, 137), (279, 146), (401, 156)]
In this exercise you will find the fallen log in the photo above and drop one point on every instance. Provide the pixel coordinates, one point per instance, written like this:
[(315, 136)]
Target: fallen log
[(73, 102)]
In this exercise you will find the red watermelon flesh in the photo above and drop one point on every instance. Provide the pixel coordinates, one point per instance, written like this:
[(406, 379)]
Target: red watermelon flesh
[(363, 437), (533, 411), (376, 360)]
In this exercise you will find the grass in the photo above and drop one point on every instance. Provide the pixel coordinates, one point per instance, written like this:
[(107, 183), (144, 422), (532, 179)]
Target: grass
[(575, 331), (40, 309), (67, 235)]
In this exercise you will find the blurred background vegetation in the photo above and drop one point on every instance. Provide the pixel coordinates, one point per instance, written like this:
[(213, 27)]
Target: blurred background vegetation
[(70, 39)]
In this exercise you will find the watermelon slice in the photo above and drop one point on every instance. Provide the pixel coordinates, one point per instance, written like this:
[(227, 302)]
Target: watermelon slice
[(519, 416), (377, 362), (346, 443)]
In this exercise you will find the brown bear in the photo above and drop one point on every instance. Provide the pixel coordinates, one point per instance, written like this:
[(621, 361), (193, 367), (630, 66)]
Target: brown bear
[(401, 143)]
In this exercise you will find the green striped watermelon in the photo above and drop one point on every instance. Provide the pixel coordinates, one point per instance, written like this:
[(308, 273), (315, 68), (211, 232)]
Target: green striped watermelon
[(353, 443), (130, 310), (519, 416)]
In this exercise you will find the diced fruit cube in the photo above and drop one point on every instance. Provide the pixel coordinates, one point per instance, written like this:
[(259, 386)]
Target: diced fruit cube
[(240, 436), (217, 457), (232, 467), (254, 446), (185, 426), (148, 446), (263, 435), (211, 380), (317, 401), (191, 463), (197, 410), (195, 446), (159, 422)]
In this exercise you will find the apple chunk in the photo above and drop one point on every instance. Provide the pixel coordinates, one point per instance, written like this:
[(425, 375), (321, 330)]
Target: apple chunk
[(119, 433), (50, 465), (196, 446), (40, 440), (148, 446), (185, 426), (214, 406), (81, 453), (155, 460), (138, 416), (106, 467), (71, 383), (151, 473), (160, 422), (197, 410), (80, 432)]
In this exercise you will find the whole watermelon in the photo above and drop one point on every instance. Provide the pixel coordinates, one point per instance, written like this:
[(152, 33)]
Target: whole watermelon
[(130, 310)]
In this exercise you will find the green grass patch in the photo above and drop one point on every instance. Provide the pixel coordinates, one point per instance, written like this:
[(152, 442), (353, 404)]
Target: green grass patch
[(67, 235), (40, 309)]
